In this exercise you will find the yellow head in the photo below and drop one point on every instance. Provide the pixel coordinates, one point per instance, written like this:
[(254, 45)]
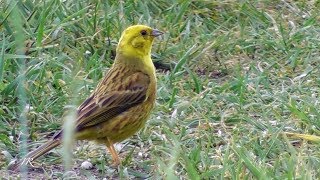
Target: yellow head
[(136, 41)]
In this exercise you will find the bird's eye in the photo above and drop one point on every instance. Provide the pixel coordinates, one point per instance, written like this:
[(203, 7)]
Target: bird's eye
[(143, 32)]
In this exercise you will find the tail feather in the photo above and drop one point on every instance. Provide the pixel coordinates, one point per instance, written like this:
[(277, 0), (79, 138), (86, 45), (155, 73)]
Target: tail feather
[(36, 153)]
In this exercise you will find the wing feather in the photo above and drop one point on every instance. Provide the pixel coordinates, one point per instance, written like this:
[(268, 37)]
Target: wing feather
[(100, 108)]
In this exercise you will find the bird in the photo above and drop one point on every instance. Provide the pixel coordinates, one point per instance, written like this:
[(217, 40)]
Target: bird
[(122, 101)]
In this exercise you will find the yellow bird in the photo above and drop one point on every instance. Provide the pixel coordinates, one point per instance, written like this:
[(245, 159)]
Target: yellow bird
[(122, 101)]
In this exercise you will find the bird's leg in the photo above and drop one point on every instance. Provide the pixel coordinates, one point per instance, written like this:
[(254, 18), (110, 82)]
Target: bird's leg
[(113, 152)]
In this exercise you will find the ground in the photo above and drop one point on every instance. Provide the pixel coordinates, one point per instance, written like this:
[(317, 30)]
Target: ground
[(238, 87)]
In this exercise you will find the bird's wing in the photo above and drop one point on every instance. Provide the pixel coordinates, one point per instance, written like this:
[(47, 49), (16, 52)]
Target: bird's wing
[(99, 108)]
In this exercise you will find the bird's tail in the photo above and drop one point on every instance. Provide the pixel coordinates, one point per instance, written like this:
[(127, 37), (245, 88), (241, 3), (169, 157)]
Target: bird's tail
[(52, 143)]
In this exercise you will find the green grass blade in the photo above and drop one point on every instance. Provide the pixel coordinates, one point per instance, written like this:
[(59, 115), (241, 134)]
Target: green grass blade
[(258, 172)]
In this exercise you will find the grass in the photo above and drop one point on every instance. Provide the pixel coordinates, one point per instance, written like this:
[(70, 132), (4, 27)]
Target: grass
[(239, 101)]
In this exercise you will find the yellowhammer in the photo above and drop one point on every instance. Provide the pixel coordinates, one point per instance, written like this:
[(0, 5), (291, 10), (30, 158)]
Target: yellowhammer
[(122, 101)]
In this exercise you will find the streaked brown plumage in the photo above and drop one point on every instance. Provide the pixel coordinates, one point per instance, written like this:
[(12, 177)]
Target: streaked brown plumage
[(122, 101)]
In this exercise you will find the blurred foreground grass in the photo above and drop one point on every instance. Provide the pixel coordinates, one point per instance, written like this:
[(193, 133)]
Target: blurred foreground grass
[(239, 78)]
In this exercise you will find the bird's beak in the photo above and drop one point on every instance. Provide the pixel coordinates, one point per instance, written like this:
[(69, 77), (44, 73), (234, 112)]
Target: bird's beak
[(156, 33)]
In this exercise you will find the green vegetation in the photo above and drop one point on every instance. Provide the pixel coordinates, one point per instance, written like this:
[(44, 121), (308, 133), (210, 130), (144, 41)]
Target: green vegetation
[(238, 86)]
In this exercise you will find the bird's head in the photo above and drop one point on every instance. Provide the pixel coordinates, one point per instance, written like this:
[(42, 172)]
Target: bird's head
[(137, 40)]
